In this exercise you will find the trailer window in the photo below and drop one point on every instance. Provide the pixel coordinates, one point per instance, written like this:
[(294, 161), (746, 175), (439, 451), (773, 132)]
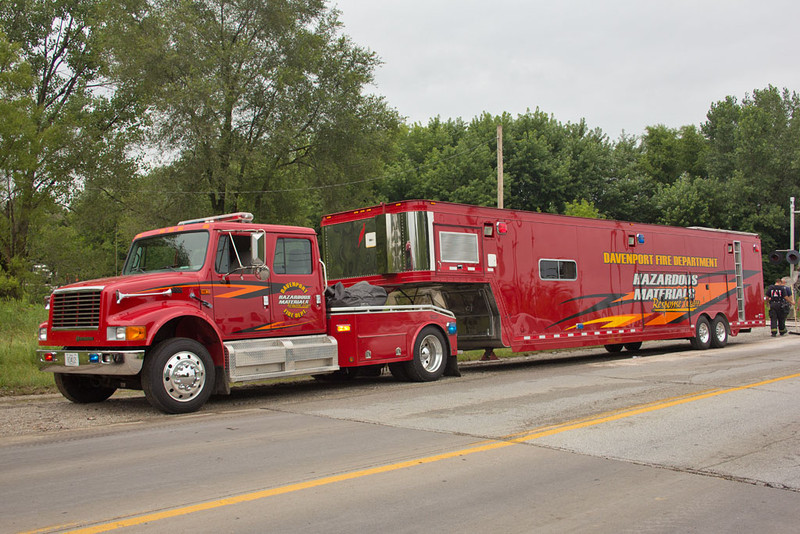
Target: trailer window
[(558, 270), (350, 249), (457, 247)]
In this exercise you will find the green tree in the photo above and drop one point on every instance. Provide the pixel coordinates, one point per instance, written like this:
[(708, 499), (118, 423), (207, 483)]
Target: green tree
[(551, 164), (444, 160), (754, 154), (71, 123), (582, 208), (262, 103)]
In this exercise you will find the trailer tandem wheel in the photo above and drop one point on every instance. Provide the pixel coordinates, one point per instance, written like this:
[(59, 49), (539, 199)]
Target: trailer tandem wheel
[(702, 334), (719, 331)]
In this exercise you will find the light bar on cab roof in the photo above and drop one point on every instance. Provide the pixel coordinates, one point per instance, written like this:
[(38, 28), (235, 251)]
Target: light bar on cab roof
[(239, 216)]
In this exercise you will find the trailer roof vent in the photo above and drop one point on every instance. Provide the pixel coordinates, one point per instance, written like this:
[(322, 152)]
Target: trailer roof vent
[(239, 216)]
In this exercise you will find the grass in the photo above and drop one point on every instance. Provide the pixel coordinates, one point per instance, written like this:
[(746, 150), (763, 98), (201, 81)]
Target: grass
[(19, 371), (474, 355)]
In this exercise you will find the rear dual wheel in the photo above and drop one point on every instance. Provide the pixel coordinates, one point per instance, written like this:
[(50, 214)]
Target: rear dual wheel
[(430, 358)]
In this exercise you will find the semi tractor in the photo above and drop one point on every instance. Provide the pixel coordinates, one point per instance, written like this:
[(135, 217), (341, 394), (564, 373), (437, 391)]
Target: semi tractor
[(533, 281), (214, 301)]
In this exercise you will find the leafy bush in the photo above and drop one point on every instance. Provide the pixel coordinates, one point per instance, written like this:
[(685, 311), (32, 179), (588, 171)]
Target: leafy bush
[(19, 372)]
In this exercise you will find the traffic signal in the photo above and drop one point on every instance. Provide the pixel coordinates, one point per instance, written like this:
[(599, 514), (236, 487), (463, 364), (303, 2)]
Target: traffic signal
[(792, 256)]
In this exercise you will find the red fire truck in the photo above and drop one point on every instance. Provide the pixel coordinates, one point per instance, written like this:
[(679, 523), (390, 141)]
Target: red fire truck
[(214, 301), (532, 281)]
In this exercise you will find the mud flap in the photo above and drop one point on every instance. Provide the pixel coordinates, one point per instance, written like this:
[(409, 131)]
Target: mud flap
[(452, 367), (222, 385)]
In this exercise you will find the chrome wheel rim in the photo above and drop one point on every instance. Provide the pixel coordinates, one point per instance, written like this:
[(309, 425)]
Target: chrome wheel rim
[(431, 353), (184, 376), (721, 331), (703, 333)]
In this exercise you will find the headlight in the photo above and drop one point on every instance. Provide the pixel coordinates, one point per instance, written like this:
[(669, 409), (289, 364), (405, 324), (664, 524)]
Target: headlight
[(125, 333), (43, 333)]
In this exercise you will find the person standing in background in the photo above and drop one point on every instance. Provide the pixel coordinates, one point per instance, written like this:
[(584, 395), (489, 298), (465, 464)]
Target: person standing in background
[(780, 299)]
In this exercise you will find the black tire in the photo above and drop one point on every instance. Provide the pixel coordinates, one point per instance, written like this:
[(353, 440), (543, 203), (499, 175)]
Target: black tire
[(633, 347), (702, 334), (178, 375), (430, 356), (616, 347), (82, 389), (719, 332)]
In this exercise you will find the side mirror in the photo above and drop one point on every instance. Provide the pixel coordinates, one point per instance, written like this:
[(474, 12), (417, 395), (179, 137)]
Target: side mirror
[(262, 272), (258, 248)]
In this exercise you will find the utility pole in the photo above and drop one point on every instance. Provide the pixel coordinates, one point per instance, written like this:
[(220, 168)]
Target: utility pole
[(500, 166), (791, 236)]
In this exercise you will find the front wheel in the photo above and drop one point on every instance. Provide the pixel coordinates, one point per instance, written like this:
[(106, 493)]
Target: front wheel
[(178, 376), (702, 334), (429, 356), (82, 389)]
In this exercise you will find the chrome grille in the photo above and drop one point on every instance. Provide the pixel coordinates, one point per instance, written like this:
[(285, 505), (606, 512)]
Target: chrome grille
[(76, 309)]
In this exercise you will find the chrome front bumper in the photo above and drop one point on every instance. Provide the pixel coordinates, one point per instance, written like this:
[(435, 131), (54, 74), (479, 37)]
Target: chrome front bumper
[(92, 362)]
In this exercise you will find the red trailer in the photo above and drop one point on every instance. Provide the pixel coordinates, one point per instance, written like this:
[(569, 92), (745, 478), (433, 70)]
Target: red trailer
[(533, 281)]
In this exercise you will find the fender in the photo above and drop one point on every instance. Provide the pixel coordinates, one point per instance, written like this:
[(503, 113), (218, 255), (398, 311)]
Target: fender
[(165, 320)]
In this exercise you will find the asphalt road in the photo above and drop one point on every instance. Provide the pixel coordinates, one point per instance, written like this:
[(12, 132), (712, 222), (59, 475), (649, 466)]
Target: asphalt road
[(672, 440)]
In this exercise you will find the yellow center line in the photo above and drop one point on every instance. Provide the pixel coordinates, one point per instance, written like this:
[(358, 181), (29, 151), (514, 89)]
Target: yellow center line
[(478, 447)]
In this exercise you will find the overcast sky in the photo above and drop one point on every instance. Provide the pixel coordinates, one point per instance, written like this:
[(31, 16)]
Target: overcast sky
[(619, 64)]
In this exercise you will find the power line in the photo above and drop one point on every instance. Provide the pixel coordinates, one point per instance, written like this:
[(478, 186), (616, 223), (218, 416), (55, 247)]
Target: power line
[(417, 169)]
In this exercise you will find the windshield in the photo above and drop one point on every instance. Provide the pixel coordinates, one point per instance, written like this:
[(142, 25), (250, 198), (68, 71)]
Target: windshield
[(172, 252)]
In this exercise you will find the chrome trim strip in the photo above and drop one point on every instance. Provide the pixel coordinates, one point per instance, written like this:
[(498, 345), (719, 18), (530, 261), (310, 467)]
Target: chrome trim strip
[(74, 289), (385, 309), (112, 362)]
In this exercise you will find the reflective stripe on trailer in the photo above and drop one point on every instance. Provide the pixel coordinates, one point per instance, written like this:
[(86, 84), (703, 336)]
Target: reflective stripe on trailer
[(563, 335)]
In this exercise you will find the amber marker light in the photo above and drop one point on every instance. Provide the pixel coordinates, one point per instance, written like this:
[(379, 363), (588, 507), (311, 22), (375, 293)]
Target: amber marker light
[(135, 333)]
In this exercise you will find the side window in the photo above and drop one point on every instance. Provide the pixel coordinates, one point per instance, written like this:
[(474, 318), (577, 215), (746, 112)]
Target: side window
[(457, 247), (292, 256), (558, 270), (232, 249)]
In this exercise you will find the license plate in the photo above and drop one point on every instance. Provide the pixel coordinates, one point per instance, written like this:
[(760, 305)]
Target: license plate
[(71, 359)]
